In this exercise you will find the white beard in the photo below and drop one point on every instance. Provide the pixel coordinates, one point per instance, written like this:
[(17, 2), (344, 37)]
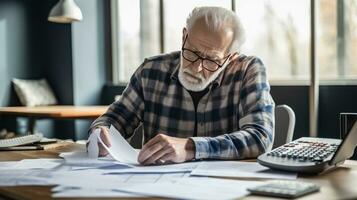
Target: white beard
[(196, 82)]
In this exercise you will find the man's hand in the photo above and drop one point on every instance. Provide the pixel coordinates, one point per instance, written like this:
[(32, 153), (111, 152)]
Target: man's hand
[(164, 149), (104, 135)]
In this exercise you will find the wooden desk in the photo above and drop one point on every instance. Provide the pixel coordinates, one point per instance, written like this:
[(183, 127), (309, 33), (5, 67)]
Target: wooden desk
[(60, 112), (337, 184), (53, 112)]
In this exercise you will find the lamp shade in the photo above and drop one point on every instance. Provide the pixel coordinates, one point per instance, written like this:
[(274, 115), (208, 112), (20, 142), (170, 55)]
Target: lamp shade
[(65, 11)]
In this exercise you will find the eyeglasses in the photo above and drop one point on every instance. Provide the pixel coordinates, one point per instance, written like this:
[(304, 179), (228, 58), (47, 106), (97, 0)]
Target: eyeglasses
[(207, 63)]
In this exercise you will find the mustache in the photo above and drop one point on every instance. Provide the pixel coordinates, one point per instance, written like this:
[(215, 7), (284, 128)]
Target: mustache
[(195, 75)]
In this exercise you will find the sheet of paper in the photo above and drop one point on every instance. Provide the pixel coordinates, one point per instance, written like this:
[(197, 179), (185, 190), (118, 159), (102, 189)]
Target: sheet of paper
[(93, 150), (95, 185), (96, 180), (92, 193), (171, 168), (239, 169), (84, 179), (43, 163), (8, 165), (120, 149), (195, 188), (16, 177), (93, 178), (152, 178), (81, 159), (6, 180)]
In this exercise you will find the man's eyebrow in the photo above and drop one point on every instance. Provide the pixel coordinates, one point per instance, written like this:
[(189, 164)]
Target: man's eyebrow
[(205, 54), (213, 56), (195, 49)]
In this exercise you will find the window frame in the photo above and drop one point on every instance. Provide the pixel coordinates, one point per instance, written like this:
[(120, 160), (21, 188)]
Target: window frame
[(313, 68)]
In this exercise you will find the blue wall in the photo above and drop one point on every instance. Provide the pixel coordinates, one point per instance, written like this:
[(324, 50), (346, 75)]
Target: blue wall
[(71, 57), (89, 58), (31, 48), (16, 37)]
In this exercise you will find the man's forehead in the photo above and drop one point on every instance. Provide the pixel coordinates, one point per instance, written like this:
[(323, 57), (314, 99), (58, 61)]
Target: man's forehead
[(205, 48), (209, 41)]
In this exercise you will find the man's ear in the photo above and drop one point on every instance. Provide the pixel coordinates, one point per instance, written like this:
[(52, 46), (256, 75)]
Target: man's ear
[(184, 31), (234, 56)]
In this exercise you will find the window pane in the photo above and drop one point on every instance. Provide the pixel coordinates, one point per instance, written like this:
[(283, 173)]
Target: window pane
[(138, 34), (351, 38), (278, 32), (175, 14), (337, 39), (326, 35)]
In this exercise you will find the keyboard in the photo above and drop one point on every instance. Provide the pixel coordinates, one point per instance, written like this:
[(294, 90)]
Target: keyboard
[(21, 140)]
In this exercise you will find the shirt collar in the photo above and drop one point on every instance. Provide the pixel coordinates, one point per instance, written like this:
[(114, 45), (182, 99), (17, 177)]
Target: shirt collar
[(174, 74)]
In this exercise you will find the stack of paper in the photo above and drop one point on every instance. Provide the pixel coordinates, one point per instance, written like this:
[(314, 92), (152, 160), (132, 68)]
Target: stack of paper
[(240, 169), (83, 174), (43, 163), (195, 188)]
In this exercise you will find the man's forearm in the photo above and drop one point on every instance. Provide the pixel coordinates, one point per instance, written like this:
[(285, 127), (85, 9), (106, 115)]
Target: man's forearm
[(238, 145)]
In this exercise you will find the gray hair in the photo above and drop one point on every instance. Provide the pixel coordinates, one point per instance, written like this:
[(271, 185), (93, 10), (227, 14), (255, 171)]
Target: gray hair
[(215, 18)]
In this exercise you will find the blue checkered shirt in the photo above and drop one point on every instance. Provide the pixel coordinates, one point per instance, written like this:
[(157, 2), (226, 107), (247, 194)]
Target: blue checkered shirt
[(235, 118)]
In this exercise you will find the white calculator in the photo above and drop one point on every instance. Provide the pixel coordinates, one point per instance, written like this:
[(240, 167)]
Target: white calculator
[(285, 189)]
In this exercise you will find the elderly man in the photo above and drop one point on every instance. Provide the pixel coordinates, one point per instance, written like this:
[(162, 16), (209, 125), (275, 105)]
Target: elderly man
[(206, 101)]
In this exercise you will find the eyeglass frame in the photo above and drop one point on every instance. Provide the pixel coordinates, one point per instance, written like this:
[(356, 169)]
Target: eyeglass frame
[(202, 58)]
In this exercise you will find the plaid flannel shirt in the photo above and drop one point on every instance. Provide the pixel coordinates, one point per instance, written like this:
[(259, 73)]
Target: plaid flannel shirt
[(235, 119)]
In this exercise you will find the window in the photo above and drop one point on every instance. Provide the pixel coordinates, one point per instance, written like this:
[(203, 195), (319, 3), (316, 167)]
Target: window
[(136, 35), (350, 28), (277, 31), (337, 39)]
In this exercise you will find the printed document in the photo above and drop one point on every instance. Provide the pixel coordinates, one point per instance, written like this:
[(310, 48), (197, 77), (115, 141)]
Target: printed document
[(239, 169), (120, 149)]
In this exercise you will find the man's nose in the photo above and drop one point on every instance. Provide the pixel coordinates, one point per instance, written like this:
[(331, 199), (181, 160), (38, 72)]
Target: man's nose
[(198, 65)]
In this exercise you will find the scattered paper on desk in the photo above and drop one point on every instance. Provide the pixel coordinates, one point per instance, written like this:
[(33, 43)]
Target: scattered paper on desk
[(84, 179), (94, 180), (171, 168), (42, 163), (76, 184), (21, 180), (120, 149), (239, 169), (7, 165), (92, 193), (82, 161), (194, 188), (15, 177)]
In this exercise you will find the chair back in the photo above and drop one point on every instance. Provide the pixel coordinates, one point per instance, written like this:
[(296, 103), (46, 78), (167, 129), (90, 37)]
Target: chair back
[(284, 125)]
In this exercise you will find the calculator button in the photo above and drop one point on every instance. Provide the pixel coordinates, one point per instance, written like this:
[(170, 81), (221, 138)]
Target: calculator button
[(318, 159)]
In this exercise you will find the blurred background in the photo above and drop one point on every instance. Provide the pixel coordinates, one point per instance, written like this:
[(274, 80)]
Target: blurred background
[(90, 62)]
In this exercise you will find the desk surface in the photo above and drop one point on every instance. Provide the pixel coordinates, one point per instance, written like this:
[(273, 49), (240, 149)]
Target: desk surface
[(55, 111), (337, 184)]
